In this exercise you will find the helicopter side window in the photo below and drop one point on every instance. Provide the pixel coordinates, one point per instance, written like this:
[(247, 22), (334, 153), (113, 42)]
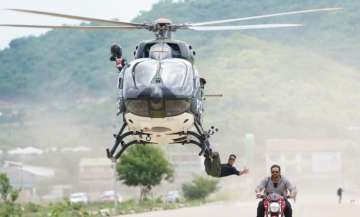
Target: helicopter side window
[(146, 51), (175, 49), (120, 83)]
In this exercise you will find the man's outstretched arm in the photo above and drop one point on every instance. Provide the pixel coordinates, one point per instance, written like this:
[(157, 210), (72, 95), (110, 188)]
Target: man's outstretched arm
[(291, 189), (243, 171)]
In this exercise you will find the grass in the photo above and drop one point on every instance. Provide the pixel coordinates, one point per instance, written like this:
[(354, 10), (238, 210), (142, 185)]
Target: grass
[(65, 209)]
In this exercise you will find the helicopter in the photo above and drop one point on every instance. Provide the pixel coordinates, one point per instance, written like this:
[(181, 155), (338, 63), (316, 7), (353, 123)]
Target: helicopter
[(161, 93)]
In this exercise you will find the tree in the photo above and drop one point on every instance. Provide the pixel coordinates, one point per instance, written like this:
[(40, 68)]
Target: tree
[(7, 193), (145, 166), (8, 197)]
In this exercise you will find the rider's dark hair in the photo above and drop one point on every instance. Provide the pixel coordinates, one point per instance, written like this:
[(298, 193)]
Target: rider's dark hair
[(275, 166), (232, 156)]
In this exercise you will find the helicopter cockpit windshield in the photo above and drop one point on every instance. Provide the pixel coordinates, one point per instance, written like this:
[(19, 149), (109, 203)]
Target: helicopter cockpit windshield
[(174, 75), (163, 87), (142, 73)]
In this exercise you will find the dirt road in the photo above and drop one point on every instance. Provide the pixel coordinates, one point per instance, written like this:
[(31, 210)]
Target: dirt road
[(247, 209)]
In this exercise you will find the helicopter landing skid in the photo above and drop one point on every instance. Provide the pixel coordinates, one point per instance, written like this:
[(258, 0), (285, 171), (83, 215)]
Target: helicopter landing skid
[(119, 140), (199, 138)]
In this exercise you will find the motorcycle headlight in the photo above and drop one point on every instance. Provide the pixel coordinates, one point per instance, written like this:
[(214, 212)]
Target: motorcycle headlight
[(274, 207)]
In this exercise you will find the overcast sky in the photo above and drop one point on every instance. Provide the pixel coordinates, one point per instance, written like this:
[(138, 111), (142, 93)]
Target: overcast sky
[(121, 9)]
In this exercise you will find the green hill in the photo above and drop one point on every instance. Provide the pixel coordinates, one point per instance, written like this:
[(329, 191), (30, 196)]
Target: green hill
[(281, 90), (76, 61)]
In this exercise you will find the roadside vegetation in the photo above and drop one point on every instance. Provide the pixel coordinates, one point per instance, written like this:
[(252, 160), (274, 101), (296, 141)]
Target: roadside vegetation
[(145, 166), (195, 194), (65, 209), (200, 188)]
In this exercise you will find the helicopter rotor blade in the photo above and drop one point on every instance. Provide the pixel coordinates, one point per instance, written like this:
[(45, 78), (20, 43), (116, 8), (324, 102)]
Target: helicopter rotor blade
[(89, 19), (214, 95), (264, 16), (243, 27), (73, 27)]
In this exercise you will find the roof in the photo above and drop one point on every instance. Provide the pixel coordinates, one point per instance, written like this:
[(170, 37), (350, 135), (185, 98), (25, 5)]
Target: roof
[(86, 162), (19, 178), (39, 171), (27, 150), (34, 170), (76, 149)]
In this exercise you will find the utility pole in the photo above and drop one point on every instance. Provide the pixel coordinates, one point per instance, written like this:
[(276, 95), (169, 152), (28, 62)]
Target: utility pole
[(114, 185)]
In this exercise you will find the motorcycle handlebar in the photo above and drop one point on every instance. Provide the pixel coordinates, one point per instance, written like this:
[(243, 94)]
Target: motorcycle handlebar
[(262, 196)]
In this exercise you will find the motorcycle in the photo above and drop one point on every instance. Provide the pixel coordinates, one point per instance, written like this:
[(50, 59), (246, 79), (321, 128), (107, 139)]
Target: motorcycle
[(274, 205)]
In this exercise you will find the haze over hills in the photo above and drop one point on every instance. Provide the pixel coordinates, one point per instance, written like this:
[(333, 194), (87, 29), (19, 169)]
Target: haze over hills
[(298, 82), (78, 60)]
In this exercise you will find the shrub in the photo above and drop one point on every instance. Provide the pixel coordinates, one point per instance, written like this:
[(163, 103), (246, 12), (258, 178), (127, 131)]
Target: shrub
[(199, 188), (32, 207)]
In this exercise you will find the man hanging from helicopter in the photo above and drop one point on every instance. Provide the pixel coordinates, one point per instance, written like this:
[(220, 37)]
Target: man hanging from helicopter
[(213, 166)]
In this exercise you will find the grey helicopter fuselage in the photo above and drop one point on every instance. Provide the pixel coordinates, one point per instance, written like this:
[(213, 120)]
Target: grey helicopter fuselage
[(161, 96)]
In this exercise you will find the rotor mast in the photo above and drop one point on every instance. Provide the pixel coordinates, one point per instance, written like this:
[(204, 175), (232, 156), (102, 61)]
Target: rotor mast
[(163, 28)]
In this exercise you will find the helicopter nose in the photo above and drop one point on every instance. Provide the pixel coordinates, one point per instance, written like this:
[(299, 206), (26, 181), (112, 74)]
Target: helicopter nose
[(156, 93), (156, 97)]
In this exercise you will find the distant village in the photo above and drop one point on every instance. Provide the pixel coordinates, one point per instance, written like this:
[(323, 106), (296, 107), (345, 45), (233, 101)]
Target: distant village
[(52, 174)]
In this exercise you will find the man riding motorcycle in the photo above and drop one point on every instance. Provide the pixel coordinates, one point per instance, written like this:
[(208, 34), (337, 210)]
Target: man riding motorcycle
[(275, 184)]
